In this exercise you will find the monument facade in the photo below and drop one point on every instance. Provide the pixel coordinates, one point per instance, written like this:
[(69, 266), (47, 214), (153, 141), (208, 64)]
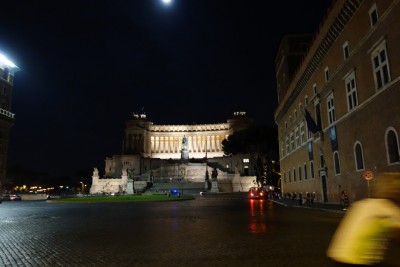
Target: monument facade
[(173, 153)]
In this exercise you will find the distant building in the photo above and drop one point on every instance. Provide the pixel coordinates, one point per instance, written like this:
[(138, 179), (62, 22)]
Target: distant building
[(338, 113), (7, 70), (167, 153)]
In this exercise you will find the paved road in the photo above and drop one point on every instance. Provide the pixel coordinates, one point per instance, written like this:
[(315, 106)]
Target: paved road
[(215, 230)]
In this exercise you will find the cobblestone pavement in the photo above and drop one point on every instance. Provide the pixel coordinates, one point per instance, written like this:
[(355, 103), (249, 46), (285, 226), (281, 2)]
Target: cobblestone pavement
[(45, 234)]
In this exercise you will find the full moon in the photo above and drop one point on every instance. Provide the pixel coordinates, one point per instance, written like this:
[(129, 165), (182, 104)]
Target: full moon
[(166, 1)]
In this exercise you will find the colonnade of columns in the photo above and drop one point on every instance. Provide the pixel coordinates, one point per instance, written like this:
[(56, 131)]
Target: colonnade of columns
[(197, 143)]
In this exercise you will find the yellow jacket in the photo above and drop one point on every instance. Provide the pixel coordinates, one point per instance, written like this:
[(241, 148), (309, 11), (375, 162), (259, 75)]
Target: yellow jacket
[(363, 234)]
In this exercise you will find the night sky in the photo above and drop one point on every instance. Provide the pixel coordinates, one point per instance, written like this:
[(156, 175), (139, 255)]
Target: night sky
[(86, 66)]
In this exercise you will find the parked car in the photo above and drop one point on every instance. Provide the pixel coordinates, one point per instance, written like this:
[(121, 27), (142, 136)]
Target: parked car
[(11, 198), (15, 198), (257, 193)]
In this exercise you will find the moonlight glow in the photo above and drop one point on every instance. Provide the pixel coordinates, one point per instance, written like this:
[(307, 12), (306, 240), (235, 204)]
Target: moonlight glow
[(167, 2)]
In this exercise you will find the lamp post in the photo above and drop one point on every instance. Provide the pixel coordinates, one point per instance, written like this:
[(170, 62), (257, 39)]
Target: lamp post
[(83, 187)]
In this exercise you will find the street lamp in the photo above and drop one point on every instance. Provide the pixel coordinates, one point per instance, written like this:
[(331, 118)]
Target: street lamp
[(83, 187)]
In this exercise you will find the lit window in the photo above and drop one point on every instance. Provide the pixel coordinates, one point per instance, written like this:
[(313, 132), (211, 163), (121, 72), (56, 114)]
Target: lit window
[(246, 160)]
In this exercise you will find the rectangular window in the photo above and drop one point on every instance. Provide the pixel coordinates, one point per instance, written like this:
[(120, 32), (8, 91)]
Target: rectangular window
[(305, 171), (300, 174), (331, 109), (336, 162), (312, 169), (346, 51), (297, 136), (302, 133), (380, 64), (294, 175), (292, 142), (351, 91), (287, 146), (373, 15), (326, 71)]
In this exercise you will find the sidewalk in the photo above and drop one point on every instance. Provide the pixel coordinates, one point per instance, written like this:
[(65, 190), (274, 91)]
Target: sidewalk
[(316, 205)]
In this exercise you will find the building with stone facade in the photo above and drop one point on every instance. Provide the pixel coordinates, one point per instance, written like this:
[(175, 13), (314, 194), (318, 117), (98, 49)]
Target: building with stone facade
[(7, 118), (338, 111), (156, 153)]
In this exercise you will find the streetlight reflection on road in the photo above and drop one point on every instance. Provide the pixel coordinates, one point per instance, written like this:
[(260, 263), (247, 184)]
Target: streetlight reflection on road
[(257, 223)]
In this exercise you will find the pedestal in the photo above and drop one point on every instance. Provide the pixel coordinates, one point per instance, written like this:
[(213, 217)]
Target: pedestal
[(184, 154), (214, 187), (129, 188)]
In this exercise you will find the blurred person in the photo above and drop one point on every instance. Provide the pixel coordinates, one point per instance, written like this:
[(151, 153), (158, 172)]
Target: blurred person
[(345, 200), (363, 235)]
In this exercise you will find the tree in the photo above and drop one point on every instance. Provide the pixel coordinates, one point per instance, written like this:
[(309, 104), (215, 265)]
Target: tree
[(260, 142)]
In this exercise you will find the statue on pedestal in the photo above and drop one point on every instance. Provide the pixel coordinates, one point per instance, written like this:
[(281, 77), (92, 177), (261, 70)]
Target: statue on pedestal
[(130, 173), (214, 174), (184, 150)]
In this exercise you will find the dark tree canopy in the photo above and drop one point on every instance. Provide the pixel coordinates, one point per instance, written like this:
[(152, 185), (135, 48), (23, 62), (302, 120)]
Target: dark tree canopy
[(255, 139), (261, 144)]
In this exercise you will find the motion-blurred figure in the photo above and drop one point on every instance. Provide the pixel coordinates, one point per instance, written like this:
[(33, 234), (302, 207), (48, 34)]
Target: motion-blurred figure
[(363, 234)]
